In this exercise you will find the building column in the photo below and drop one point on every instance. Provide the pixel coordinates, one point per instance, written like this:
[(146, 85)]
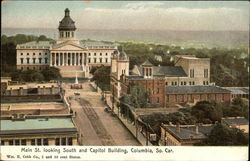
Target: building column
[(28, 142), (59, 59), (51, 141), (70, 58), (74, 141), (50, 60), (54, 59), (74, 59), (63, 59), (67, 58), (79, 58)]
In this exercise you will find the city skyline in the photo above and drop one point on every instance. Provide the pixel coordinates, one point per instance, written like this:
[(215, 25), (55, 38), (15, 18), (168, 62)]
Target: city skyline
[(157, 15)]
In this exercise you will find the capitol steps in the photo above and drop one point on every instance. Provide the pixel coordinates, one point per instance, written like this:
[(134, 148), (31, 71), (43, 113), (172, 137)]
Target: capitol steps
[(70, 71)]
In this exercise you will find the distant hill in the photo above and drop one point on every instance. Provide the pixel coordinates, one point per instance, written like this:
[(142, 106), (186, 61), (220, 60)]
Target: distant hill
[(197, 39)]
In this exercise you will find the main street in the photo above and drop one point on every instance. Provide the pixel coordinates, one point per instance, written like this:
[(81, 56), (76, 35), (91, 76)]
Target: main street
[(95, 126)]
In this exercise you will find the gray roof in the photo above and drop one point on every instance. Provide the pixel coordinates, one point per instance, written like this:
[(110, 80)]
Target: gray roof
[(238, 90), (67, 23), (147, 63), (37, 44), (235, 121), (167, 71), (37, 125), (97, 43), (187, 132), (195, 89)]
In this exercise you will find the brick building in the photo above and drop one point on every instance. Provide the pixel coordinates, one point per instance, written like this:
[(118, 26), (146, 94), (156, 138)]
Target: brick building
[(186, 82), (194, 94), (184, 135)]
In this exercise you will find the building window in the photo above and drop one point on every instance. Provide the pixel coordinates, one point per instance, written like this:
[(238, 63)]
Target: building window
[(45, 53), (100, 60), (28, 68), (45, 141), (39, 141), (185, 83), (57, 141), (176, 98), (94, 54), (106, 60), (181, 83), (28, 60), (167, 98), (191, 73), (207, 82), (72, 33), (204, 83), (40, 60), (89, 60), (216, 97), (100, 54), (70, 141), (183, 98), (21, 60), (205, 73), (63, 141), (28, 54), (33, 141), (2, 142), (106, 54), (11, 142), (94, 60), (17, 142), (166, 83), (192, 97), (34, 60), (89, 54), (46, 60), (190, 83), (23, 142), (158, 100), (208, 97), (158, 90), (193, 83), (21, 68), (34, 68), (172, 83), (175, 83), (223, 97), (35, 53), (21, 53)]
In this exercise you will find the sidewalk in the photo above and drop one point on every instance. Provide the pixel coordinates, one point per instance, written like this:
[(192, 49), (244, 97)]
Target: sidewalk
[(140, 137)]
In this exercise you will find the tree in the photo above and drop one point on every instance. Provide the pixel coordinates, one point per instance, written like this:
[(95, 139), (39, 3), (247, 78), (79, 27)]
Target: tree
[(222, 135), (207, 112), (138, 95), (51, 73), (102, 77)]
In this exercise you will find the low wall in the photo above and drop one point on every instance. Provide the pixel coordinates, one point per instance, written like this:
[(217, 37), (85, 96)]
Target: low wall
[(31, 98)]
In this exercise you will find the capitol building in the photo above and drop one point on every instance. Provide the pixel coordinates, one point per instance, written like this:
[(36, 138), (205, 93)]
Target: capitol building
[(67, 53)]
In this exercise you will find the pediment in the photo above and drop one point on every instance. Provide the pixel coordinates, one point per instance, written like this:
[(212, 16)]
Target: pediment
[(68, 46)]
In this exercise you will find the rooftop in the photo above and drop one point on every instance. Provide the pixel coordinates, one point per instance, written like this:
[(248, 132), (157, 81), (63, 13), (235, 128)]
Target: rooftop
[(37, 125), (238, 90), (36, 44), (167, 71), (235, 121), (189, 131), (195, 89)]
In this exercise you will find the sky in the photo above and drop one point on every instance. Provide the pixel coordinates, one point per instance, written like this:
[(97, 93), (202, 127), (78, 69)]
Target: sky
[(137, 15)]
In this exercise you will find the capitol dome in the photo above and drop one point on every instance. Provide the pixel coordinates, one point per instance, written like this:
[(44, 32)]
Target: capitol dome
[(67, 23)]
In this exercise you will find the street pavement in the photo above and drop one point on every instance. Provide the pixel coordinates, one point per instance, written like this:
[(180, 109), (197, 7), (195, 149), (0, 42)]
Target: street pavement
[(96, 126)]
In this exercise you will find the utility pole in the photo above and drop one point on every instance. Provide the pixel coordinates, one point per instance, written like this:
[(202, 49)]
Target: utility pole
[(113, 98)]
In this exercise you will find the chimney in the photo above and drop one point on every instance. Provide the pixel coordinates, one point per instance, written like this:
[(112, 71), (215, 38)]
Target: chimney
[(178, 129), (197, 129)]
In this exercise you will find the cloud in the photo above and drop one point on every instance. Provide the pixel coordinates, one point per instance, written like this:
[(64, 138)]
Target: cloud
[(152, 15)]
